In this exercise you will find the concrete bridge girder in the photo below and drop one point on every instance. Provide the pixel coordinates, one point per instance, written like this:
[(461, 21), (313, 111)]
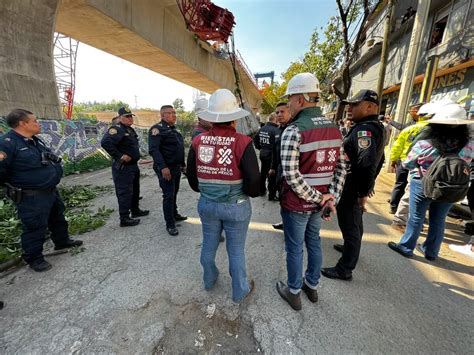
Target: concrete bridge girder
[(149, 33)]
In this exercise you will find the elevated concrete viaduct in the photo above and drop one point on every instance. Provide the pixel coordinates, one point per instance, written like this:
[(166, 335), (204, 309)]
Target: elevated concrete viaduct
[(150, 33)]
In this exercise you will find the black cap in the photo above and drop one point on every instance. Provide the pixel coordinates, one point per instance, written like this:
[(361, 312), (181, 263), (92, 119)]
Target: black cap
[(125, 111), (363, 95)]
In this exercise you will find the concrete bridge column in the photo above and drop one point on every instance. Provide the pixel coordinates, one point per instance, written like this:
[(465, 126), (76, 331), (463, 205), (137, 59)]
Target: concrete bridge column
[(27, 77)]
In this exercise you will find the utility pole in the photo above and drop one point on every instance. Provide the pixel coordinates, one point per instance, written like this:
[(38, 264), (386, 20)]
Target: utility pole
[(384, 54), (412, 59)]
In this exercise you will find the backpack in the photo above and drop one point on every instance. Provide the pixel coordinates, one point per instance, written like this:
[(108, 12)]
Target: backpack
[(447, 179)]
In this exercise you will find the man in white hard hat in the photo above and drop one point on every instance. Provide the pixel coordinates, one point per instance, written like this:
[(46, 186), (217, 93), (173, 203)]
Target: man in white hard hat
[(314, 170), (222, 166), (202, 125)]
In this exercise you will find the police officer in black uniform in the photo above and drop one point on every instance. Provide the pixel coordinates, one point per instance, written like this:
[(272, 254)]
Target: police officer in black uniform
[(121, 142), (363, 145), (31, 171), (264, 141), (166, 146)]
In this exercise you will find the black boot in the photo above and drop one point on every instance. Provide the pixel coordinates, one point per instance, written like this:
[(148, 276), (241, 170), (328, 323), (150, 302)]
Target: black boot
[(40, 265), (128, 222), (70, 243), (140, 213)]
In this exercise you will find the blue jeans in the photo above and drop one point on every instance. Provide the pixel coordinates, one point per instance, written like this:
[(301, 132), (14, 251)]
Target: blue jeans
[(302, 228), (234, 219), (419, 204)]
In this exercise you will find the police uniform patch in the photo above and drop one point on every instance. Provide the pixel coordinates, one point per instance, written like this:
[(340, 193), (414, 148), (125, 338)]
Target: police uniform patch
[(364, 143), (155, 131), (364, 134), (3, 155), (112, 131)]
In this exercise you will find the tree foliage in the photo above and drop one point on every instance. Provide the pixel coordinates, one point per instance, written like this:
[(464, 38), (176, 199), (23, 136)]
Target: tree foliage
[(330, 54)]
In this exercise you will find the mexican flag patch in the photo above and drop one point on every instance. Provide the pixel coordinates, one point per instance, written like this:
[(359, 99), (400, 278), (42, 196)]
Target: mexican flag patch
[(364, 134)]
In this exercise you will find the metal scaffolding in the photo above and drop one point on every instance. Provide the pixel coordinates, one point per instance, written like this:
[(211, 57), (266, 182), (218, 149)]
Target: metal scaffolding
[(64, 54)]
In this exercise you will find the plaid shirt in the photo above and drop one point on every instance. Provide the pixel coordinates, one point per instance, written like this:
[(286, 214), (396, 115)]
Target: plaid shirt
[(290, 161)]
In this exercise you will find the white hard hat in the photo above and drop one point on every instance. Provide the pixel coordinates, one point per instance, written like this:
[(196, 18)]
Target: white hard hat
[(303, 83), (223, 107), (428, 110), (452, 114), (200, 105)]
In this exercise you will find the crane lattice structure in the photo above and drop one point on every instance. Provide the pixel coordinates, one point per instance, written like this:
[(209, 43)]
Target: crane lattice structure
[(65, 53)]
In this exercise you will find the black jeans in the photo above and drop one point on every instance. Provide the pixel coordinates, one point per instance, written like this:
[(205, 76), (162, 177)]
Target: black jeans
[(401, 181), (127, 188), (266, 164), (349, 217), (39, 213), (170, 191)]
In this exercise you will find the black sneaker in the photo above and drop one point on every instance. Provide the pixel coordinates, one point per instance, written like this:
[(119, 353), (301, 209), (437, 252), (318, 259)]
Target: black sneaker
[(172, 231), (128, 222), (179, 218), (71, 243), (40, 265), (395, 247), (335, 273), (140, 213), (278, 226)]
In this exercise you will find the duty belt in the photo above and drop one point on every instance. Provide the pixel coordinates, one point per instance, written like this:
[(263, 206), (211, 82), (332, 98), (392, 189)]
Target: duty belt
[(35, 192)]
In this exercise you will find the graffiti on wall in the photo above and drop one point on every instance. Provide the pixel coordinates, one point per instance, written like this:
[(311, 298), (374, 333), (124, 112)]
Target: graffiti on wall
[(75, 139)]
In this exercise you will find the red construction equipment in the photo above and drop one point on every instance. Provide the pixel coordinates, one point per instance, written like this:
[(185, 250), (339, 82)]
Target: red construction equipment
[(208, 21)]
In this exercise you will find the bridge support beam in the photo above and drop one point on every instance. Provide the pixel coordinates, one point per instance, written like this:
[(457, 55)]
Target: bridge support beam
[(27, 77)]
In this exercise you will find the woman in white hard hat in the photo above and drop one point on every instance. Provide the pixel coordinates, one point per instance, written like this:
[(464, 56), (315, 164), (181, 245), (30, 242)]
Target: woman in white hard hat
[(447, 132), (222, 166)]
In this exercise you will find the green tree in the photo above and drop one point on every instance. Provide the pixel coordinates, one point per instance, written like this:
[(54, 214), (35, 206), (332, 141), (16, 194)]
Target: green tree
[(178, 104)]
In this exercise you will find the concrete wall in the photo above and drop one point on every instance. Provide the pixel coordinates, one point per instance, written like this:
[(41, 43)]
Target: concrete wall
[(75, 139), (26, 67)]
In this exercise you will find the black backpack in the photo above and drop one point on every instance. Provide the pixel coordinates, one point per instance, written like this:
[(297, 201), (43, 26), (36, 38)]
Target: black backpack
[(447, 179)]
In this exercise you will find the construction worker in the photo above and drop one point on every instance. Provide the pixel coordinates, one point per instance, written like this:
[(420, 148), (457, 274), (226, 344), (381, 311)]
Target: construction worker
[(222, 166), (314, 170)]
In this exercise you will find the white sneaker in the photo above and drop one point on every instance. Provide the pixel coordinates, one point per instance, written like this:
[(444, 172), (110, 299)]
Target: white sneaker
[(462, 249)]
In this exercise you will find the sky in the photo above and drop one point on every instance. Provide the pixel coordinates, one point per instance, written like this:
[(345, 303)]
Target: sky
[(269, 34)]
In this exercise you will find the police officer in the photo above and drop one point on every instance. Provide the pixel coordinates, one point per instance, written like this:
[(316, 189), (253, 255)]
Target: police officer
[(166, 146), (364, 145), (121, 142), (31, 173), (264, 141)]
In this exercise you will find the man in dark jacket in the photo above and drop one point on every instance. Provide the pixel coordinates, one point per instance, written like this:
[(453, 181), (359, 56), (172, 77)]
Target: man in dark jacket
[(265, 141), (363, 145), (121, 142)]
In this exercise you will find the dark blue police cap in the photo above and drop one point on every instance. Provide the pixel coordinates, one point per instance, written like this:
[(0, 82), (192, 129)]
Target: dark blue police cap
[(125, 111), (363, 95)]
